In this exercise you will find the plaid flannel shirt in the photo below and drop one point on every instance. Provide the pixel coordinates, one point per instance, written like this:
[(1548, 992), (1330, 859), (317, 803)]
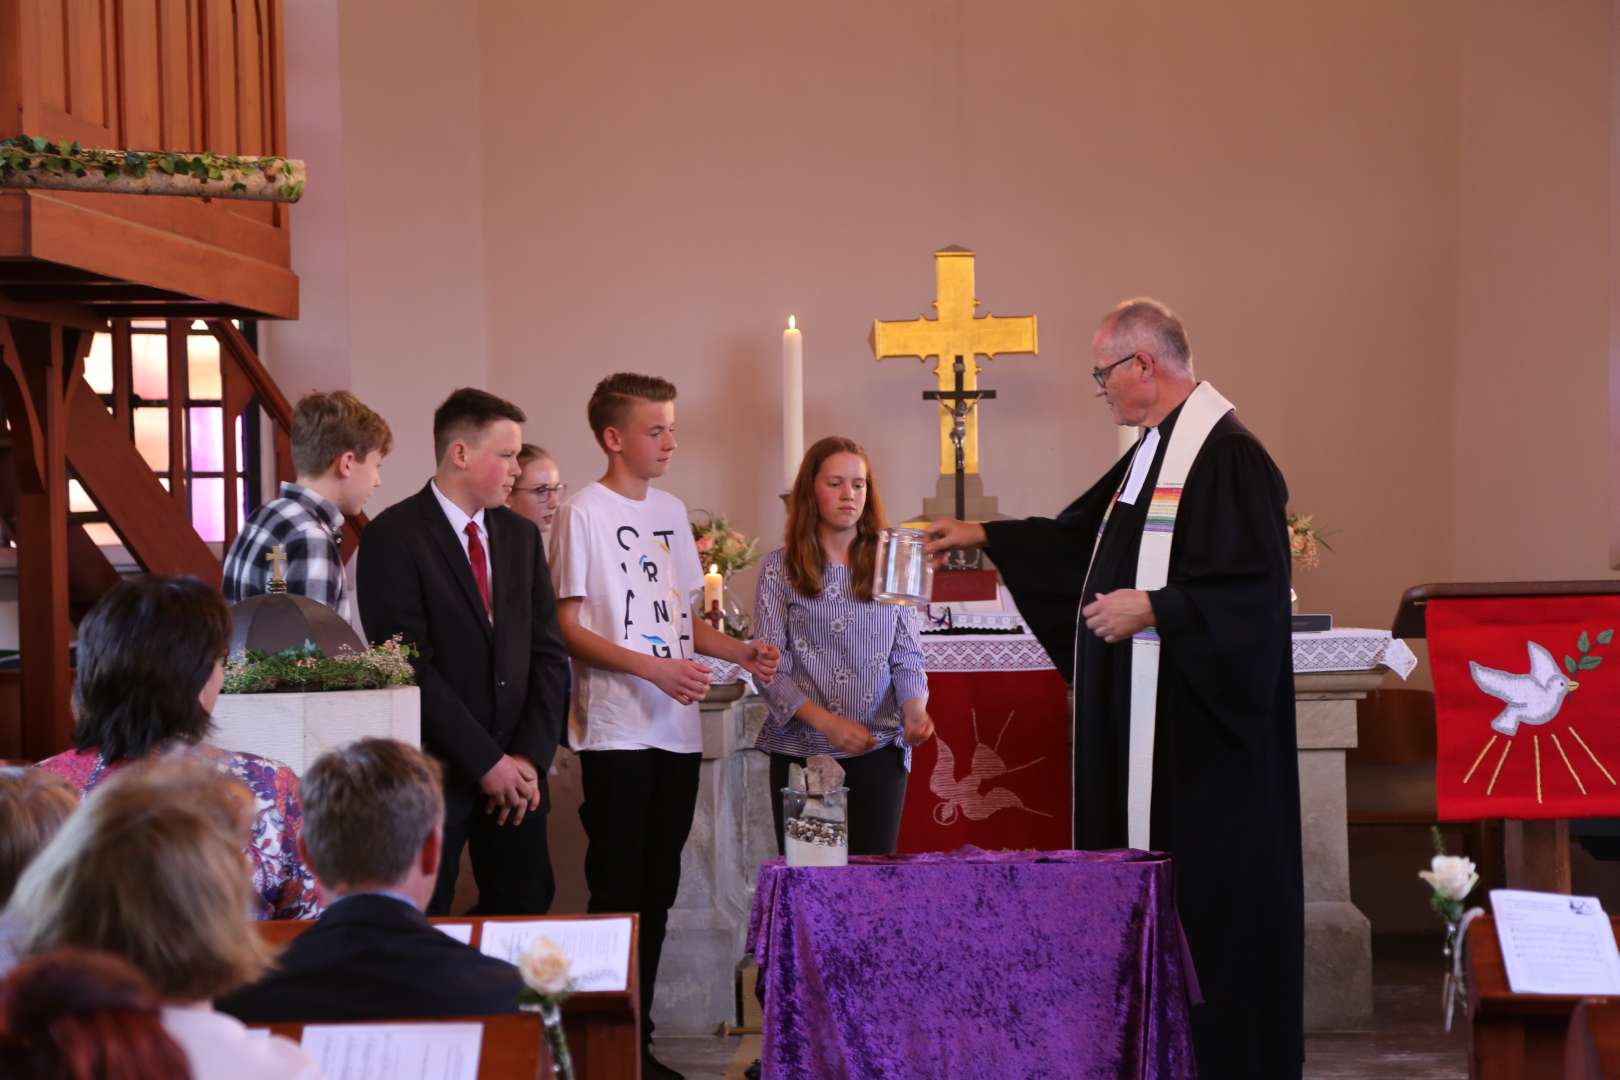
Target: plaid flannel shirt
[(309, 527)]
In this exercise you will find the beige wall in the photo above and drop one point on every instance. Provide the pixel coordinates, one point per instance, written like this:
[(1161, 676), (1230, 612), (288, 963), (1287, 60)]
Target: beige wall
[(1385, 223)]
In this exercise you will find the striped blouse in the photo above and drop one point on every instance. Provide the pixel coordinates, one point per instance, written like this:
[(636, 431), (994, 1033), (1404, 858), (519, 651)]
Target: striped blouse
[(859, 660)]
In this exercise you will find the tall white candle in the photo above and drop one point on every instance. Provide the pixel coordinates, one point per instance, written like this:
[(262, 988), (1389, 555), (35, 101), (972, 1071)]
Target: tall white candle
[(792, 402)]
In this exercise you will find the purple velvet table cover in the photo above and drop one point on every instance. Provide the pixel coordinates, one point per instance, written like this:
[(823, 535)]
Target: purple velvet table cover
[(973, 964)]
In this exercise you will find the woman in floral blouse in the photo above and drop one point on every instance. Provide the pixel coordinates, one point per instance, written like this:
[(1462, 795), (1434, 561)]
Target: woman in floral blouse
[(150, 667), (851, 683)]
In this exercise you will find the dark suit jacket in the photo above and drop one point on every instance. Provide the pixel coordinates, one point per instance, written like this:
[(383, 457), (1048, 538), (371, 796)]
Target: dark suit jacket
[(374, 957), (486, 690)]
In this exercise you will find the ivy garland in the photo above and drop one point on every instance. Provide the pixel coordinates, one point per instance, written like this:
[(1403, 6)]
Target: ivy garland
[(34, 161)]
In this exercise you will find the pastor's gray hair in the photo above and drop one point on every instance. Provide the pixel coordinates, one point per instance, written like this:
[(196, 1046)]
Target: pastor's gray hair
[(1148, 324)]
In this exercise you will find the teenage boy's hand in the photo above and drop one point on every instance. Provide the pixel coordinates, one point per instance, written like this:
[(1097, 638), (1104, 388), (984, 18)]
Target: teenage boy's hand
[(684, 680), (761, 659), (846, 736), (512, 788)]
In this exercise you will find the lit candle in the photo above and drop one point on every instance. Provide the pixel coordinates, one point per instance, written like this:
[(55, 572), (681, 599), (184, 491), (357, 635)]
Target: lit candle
[(792, 402), (714, 590)]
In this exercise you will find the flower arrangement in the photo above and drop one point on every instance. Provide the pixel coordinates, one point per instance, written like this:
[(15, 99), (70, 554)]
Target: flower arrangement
[(1451, 878), (1306, 540), (306, 669), (547, 983), (720, 545)]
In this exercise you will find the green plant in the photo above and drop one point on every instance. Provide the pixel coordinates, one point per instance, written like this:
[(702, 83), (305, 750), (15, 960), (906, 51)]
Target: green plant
[(306, 669), (34, 154)]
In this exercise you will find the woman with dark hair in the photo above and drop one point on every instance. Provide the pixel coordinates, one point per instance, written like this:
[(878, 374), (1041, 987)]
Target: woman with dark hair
[(851, 683), (74, 1014), (151, 664)]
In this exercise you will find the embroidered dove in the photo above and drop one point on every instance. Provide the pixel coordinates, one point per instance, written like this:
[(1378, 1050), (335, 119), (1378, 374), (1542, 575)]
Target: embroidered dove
[(1531, 699)]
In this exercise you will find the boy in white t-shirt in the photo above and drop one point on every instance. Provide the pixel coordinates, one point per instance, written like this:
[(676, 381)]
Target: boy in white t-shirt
[(625, 569)]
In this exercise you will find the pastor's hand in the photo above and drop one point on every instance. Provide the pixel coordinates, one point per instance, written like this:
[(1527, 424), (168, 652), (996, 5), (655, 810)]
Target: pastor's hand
[(948, 534), (1117, 616)]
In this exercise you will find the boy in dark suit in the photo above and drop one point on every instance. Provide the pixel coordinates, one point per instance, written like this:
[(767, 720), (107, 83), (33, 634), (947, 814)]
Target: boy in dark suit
[(465, 580), (372, 834)]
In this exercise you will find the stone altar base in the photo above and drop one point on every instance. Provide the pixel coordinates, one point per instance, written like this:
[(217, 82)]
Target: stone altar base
[(1338, 937), (295, 729)]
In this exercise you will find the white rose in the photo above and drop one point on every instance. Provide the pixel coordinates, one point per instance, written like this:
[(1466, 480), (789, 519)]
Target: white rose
[(1452, 876), (544, 966)]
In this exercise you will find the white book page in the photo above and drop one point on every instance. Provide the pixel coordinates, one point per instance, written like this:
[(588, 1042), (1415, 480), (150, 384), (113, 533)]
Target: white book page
[(395, 1051), (461, 931), (1555, 944), (598, 949)]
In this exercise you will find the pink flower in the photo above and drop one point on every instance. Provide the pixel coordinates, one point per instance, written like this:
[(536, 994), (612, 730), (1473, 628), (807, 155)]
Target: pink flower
[(705, 544)]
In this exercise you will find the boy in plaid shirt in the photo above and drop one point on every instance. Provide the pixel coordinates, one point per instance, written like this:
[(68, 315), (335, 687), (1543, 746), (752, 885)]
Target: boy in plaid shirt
[(337, 449)]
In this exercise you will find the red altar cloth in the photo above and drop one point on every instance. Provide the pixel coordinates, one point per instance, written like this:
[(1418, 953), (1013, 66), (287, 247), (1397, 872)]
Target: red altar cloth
[(997, 774)]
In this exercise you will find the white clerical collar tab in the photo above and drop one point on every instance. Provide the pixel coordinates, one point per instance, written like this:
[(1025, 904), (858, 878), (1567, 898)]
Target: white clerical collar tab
[(1140, 464)]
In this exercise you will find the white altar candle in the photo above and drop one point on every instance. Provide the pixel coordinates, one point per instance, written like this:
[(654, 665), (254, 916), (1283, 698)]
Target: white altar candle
[(792, 402), (714, 589)]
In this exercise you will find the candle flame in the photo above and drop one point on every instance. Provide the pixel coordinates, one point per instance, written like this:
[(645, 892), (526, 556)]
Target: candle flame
[(714, 568), (792, 322)]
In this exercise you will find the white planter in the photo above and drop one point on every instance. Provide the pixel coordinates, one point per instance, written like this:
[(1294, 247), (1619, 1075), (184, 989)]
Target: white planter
[(298, 728)]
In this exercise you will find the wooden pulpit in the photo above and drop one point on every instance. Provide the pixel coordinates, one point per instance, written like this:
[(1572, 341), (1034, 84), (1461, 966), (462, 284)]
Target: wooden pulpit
[(1536, 853)]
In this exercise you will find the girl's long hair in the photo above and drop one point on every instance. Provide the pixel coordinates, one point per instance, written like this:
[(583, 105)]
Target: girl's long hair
[(805, 561)]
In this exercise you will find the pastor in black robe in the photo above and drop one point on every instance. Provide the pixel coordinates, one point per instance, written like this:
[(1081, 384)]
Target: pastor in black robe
[(1225, 770)]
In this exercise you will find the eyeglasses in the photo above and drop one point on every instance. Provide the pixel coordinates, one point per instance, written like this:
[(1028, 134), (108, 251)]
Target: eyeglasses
[(1101, 374), (543, 491)]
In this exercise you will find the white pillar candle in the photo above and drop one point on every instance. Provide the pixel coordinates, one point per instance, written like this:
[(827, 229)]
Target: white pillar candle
[(792, 402), (714, 589)]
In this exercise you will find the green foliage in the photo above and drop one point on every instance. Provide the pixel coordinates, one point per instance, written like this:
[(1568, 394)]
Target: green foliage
[(306, 670), (34, 154)]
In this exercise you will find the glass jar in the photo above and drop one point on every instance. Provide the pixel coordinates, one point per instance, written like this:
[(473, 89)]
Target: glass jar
[(904, 574), (815, 828)]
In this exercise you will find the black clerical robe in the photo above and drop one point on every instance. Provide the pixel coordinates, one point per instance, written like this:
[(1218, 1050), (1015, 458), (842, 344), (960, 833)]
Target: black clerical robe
[(1225, 770)]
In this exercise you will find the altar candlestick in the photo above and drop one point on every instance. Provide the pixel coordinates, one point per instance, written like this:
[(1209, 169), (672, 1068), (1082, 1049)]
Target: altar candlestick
[(792, 402), (714, 590)]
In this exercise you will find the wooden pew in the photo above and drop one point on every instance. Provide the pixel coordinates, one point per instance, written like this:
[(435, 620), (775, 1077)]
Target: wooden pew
[(603, 1028), (1515, 1036), (514, 1045)]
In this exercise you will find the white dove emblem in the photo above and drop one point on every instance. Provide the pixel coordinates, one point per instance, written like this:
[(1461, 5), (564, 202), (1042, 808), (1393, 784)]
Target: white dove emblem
[(1531, 699)]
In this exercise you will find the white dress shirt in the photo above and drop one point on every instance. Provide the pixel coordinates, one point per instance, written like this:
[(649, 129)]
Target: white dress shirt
[(458, 521)]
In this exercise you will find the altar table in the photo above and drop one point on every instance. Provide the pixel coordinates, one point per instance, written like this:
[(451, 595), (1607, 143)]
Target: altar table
[(973, 964)]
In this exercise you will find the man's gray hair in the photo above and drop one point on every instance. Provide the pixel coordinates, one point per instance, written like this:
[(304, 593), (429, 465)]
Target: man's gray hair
[(368, 807), (1153, 324)]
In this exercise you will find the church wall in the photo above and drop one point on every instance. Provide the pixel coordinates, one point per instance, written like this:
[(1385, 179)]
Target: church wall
[(1532, 459), (676, 181)]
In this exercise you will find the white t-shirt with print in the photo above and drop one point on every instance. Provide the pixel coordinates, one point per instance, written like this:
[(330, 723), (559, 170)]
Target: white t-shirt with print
[(636, 568)]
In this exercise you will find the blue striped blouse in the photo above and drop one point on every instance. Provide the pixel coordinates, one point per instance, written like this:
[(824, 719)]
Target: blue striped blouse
[(860, 660)]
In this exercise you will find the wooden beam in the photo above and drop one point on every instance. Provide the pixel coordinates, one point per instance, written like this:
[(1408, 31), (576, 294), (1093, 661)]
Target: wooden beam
[(179, 381), (186, 311), (35, 370), (1536, 854), (154, 527), (100, 292)]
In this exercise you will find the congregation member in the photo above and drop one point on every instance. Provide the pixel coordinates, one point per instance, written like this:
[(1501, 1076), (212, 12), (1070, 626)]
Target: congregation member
[(626, 572), (150, 869), (852, 682), (539, 489), (150, 669), (79, 1015), (374, 836), (338, 445), (1177, 562), (455, 573), (33, 805)]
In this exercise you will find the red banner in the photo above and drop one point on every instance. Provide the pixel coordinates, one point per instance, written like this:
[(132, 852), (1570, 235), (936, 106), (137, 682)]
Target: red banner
[(996, 774), (1527, 707)]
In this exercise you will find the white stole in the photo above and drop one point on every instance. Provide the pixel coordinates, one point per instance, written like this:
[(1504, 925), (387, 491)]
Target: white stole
[(1204, 408)]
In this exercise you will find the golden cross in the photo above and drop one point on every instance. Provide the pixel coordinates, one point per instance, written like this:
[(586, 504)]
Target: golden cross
[(957, 331), (278, 569)]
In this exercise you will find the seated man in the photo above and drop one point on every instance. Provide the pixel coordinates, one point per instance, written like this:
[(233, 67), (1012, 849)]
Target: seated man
[(373, 834)]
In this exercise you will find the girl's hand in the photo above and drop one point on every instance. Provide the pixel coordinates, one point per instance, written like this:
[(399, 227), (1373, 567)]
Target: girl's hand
[(846, 736), (919, 727)]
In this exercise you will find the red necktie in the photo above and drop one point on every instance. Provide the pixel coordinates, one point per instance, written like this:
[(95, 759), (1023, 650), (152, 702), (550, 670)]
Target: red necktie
[(475, 555)]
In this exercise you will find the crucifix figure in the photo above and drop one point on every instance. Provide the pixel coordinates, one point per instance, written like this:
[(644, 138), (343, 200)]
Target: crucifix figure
[(278, 569), (958, 404), (956, 332)]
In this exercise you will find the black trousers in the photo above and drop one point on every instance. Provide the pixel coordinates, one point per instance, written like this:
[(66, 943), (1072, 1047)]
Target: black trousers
[(510, 863), (877, 793), (637, 812)]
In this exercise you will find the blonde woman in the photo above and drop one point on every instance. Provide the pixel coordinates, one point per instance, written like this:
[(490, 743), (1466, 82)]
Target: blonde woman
[(150, 869)]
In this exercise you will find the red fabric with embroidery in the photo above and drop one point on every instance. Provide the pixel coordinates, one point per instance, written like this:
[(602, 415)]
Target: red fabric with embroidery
[(1515, 740)]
